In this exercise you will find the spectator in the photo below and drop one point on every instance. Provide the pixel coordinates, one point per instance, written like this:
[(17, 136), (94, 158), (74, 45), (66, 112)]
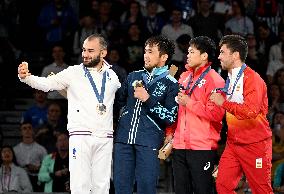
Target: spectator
[(105, 23), (59, 22), (278, 183), (268, 10), (56, 66), (275, 65), (204, 20), (173, 30), (153, 21), (278, 141), (37, 113), (182, 43), (222, 7), (114, 59), (132, 15), (250, 8), (29, 154), (46, 134), (279, 80), (274, 100), (54, 171), (87, 27), (256, 60), (13, 178), (185, 6), (275, 50), (134, 46), (265, 39), (239, 23)]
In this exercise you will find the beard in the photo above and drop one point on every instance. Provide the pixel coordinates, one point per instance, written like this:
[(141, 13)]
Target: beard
[(149, 68), (94, 62)]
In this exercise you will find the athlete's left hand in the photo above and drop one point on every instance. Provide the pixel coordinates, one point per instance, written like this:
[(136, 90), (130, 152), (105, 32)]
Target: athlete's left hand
[(141, 93), (217, 98)]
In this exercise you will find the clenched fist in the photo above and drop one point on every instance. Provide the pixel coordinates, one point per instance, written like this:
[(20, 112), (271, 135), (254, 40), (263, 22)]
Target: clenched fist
[(141, 93), (23, 70)]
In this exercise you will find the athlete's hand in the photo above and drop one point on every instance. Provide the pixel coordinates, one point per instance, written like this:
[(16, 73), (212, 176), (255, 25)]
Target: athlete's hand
[(217, 98), (141, 93), (168, 138), (23, 70), (182, 98)]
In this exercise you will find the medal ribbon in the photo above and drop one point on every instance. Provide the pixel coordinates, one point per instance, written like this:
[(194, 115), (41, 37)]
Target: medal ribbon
[(100, 96), (148, 84), (197, 81), (226, 88)]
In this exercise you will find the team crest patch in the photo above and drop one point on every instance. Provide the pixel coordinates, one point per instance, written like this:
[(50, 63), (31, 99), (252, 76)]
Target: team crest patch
[(258, 163), (201, 83), (238, 88)]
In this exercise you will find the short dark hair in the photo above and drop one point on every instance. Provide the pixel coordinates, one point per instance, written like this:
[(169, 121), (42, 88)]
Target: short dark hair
[(102, 40), (165, 45), (205, 45), (236, 43)]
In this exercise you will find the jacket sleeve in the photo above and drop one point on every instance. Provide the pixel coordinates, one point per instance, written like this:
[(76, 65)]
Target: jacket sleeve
[(254, 99), (170, 130), (58, 81), (166, 112), (25, 182), (44, 173), (207, 110), (122, 93)]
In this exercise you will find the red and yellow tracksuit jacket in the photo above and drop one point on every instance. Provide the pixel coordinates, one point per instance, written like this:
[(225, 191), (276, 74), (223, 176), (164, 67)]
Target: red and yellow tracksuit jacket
[(246, 110)]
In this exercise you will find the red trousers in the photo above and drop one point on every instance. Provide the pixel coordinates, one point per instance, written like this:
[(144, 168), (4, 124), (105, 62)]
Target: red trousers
[(254, 160)]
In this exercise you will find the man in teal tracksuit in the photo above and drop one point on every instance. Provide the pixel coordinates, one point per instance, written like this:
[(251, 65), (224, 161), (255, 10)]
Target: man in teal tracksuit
[(148, 98)]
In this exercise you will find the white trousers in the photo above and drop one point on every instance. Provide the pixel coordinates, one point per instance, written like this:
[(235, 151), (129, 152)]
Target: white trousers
[(90, 160)]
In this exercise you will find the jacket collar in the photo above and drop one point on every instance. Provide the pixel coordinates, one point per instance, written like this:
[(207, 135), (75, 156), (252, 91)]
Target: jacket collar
[(157, 70), (200, 70)]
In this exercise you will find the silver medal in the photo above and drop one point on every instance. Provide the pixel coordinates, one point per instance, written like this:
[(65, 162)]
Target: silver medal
[(101, 108)]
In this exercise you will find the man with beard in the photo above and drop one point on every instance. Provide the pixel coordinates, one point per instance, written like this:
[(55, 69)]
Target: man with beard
[(249, 144), (90, 88), (148, 98)]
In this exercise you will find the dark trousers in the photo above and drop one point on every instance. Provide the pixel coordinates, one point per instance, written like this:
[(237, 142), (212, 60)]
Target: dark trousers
[(192, 171), (135, 163), (35, 184)]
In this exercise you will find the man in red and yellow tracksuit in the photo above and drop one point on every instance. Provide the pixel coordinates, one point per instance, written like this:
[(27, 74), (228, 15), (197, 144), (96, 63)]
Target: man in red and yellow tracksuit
[(249, 144), (197, 130)]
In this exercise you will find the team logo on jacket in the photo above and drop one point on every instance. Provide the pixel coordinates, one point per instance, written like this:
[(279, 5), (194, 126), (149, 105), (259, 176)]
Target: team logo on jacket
[(201, 83), (160, 89), (258, 163)]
